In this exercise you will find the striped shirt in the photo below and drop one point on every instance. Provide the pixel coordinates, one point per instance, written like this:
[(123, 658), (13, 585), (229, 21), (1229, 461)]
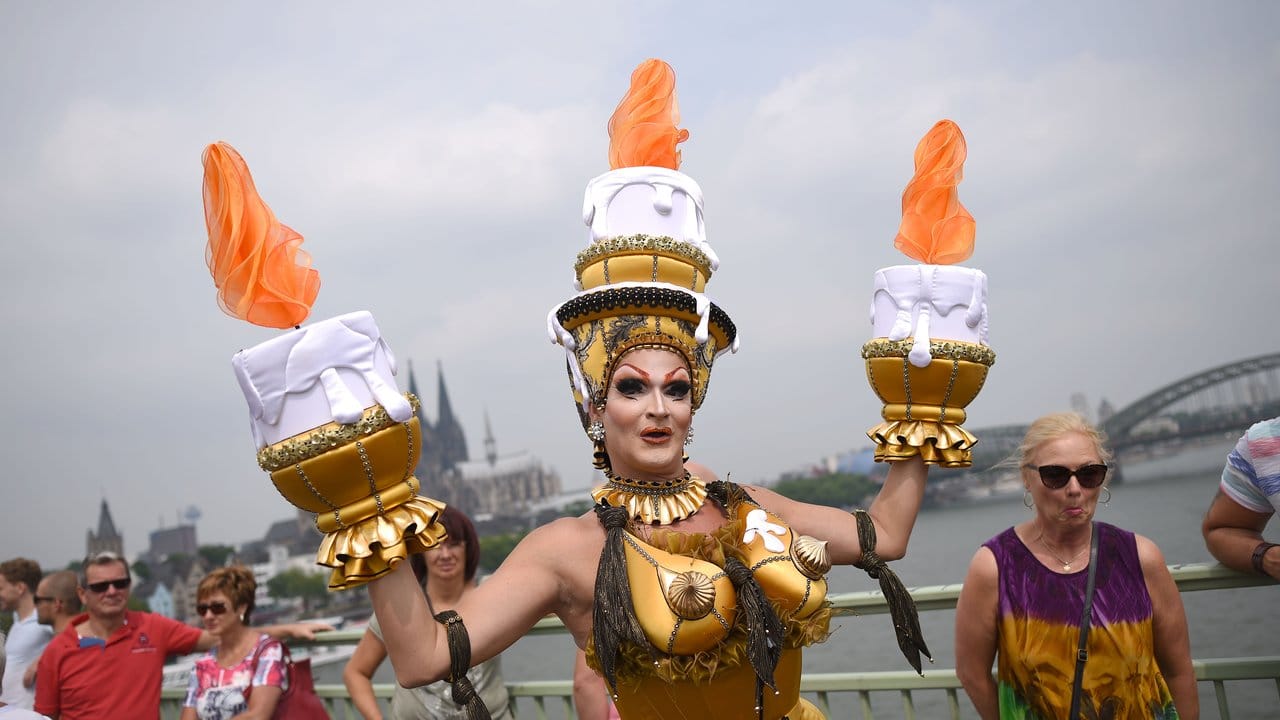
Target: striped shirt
[(1252, 474)]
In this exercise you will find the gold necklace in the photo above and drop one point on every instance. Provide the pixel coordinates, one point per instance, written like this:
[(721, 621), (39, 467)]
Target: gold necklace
[(1066, 564), (662, 502)]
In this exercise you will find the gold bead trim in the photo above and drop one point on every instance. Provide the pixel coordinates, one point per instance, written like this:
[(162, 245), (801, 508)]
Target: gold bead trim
[(938, 349), (318, 441), (652, 501), (640, 245)]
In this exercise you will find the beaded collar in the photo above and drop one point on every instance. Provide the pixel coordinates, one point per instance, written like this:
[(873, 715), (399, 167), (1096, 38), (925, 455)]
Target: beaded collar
[(653, 501)]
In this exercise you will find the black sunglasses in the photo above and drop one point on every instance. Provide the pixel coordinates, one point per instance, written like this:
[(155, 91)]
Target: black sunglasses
[(101, 587), (217, 608), (42, 598), (1055, 477)]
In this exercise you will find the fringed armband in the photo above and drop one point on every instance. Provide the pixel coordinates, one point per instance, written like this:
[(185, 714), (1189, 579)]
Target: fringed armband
[(464, 693), (902, 608)]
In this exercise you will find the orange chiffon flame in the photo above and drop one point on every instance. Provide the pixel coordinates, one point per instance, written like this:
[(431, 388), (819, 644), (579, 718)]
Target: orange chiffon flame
[(642, 131), (936, 228), (261, 272)]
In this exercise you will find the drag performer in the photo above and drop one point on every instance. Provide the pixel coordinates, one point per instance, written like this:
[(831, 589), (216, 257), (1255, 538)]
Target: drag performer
[(692, 596)]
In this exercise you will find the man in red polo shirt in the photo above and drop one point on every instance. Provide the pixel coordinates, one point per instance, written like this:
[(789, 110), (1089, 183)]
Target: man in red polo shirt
[(108, 662)]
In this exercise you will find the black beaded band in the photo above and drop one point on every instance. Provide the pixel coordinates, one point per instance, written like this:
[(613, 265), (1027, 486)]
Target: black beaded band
[(1259, 553)]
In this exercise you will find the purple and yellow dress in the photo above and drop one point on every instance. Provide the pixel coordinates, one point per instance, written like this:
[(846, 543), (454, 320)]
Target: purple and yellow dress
[(1039, 631)]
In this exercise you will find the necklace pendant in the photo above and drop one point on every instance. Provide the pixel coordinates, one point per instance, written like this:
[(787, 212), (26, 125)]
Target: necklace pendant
[(1066, 566)]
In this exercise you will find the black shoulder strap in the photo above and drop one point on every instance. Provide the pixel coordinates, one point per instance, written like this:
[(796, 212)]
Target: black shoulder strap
[(1082, 652)]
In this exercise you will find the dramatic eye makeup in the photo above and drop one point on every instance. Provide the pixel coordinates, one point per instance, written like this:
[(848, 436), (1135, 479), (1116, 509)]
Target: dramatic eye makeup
[(629, 386), (678, 389)]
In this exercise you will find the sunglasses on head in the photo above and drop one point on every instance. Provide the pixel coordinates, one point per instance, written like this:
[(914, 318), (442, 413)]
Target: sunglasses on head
[(217, 608), (101, 587), (1055, 477)]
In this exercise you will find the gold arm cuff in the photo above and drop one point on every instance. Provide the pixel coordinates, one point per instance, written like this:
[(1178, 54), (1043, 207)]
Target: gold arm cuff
[(373, 547), (941, 444)]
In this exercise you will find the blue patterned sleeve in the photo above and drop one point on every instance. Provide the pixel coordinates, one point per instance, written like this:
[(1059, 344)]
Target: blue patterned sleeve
[(270, 670), (193, 688)]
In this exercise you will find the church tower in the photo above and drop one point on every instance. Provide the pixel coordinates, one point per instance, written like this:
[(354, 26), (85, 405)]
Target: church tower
[(107, 539), (490, 445), (453, 443)]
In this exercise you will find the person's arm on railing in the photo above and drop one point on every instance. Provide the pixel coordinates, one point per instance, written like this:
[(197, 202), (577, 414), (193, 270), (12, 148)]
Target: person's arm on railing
[(1169, 630), (357, 675), (1233, 533), (977, 610)]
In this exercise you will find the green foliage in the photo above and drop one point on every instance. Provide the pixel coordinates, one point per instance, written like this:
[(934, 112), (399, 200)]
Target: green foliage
[(215, 555), (576, 508), (141, 570), (6, 622), (137, 603), (295, 583), (841, 490), (495, 548)]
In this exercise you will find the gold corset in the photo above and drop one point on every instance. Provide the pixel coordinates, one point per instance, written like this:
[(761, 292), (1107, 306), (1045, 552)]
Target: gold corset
[(686, 606)]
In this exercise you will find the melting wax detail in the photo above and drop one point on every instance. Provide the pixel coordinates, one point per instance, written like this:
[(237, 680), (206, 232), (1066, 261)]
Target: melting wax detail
[(918, 301), (344, 357), (648, 200)]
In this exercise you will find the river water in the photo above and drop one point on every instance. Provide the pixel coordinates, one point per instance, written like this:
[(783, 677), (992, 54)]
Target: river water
[(1162, 499)]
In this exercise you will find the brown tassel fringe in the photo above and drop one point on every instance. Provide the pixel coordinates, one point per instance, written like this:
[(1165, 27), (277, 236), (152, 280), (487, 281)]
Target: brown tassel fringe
[(600, 456), (613, 619), (902, 608), (765, 632), (764, 629), (729, 494), (464, 693)]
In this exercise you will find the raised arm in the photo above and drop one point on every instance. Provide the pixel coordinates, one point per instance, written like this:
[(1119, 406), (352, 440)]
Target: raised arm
[(1232, 532), (893, 512), (545, 573), (1169, 628), (977, 614)]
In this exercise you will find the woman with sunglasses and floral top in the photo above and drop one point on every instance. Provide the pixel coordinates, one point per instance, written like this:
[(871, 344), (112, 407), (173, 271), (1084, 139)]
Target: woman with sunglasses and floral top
[(1024, 597), (244, 658)]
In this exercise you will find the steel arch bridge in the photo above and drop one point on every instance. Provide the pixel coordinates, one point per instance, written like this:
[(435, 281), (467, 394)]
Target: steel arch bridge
[(999, 442)]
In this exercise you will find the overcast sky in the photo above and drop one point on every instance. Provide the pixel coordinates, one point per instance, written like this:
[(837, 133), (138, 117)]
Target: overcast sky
[(1123, 172)]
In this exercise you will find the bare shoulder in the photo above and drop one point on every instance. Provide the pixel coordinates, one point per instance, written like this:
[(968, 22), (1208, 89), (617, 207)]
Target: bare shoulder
[(983, 568), (1149, 555), (566, 536)]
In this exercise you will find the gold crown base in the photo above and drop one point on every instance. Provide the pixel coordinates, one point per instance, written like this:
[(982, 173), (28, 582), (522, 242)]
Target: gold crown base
[(358, 480), (924, 407)]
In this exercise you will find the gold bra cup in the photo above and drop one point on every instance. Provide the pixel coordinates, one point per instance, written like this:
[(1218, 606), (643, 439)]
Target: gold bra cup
[(684, 605), (792, 572)]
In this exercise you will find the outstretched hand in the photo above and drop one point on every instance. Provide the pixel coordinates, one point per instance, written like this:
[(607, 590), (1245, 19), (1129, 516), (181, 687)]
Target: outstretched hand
[(305, 630)]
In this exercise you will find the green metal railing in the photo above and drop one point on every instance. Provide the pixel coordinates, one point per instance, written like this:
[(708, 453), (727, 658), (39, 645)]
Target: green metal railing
[(555, 698)]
